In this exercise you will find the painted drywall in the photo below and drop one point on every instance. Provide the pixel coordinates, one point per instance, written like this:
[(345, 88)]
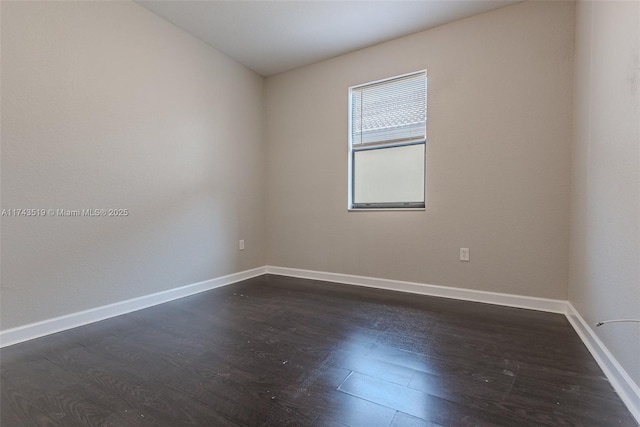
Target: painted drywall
[(107, 106), (498, 158), (605, 203)]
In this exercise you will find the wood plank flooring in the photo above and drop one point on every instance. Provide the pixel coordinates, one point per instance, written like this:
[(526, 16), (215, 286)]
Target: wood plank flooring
[(278, 351)]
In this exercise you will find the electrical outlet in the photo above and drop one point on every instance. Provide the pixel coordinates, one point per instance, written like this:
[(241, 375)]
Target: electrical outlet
[(241, 245), (464, 254)]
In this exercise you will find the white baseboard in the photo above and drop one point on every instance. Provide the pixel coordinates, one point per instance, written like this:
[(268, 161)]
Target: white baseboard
[(626, 388), (51, 326), (618, 377), (510, 300)]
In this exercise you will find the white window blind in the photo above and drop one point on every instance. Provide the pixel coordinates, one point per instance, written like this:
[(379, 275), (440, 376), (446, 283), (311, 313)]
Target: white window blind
[(388, 112), (387, 143)]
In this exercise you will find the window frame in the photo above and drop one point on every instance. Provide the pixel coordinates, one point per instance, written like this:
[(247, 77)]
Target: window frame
[(384, 206)]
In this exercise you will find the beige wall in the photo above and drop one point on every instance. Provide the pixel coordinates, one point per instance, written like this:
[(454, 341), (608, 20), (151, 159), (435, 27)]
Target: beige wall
[(105, 105), (605, 211), (498, 162)]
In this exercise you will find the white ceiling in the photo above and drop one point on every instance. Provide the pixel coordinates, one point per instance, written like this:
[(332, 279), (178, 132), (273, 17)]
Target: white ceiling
[(275, 36)]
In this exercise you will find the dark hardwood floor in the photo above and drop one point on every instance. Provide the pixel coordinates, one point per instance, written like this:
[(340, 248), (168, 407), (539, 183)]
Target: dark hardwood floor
[(277, 351)]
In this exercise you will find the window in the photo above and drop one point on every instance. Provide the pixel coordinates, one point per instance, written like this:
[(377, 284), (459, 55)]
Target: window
[(387, 138)]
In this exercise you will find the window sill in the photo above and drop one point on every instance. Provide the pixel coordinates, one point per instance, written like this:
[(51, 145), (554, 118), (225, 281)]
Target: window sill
[(385, 209)]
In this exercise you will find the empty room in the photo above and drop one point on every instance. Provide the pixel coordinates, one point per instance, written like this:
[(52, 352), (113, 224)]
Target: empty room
[(320, 213)]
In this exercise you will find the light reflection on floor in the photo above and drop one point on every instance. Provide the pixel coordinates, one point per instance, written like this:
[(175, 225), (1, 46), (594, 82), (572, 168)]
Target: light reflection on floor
[(400, 380)]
